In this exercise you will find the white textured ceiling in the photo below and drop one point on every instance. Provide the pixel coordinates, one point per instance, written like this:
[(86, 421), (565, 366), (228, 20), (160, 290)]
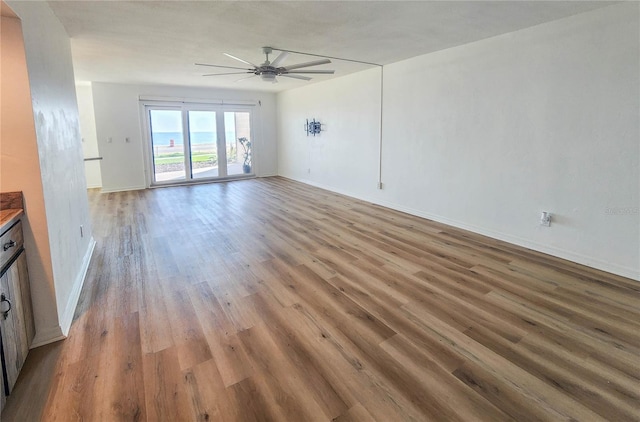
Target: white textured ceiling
[(158, 42)]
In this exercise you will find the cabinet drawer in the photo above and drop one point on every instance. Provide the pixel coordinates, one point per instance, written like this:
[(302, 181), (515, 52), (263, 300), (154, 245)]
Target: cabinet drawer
[(10, 242)]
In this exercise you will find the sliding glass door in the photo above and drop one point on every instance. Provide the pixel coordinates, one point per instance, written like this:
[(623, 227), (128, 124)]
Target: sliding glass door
[(203, 135), (198, 143), (167, 144)]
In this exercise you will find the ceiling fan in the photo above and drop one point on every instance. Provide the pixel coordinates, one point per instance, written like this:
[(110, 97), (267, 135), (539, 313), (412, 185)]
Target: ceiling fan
[(269, 70)]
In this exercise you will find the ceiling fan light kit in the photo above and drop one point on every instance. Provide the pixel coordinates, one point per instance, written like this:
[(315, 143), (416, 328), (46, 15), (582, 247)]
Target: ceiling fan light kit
[(268, 76), (269, 71)]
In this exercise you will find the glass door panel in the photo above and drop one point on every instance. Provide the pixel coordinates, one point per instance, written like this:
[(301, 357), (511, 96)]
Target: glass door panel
[(203, 141), (237, 125), (167, 143)]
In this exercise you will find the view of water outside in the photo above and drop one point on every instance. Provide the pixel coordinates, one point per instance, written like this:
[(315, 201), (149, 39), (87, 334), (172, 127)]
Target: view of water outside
[(168, 143)]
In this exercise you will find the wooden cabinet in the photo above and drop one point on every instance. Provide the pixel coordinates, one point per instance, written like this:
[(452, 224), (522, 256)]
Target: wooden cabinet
[(16, 315), (3, 398), (16, 325)]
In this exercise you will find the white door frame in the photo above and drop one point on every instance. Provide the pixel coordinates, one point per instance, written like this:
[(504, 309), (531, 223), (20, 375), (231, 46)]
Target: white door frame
[(220, 109)]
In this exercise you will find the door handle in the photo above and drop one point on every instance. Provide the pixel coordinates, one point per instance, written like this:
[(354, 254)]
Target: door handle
[(3, 299)]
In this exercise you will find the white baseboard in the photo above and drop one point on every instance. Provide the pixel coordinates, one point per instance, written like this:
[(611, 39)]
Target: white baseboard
[(46, 336), (515, 240), (70, 309), (588, 261), (124, 189), (60, 332)]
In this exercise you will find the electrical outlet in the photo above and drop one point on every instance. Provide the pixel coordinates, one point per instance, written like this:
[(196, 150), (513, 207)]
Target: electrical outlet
[(545, 219)]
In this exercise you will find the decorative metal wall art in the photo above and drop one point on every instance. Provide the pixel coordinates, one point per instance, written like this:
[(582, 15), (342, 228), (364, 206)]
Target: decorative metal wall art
[(312, 127)]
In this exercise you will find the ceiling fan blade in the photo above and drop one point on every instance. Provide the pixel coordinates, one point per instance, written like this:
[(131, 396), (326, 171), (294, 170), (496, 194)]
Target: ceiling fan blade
[(281, 58), (246, 77), (317, 72), (217, 65), (307, 64), (240, 60), (228, 73), (304, 78)]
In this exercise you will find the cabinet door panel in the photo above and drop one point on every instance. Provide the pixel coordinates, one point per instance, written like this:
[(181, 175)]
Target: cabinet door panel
[(3, 399), (14, 336), (9, 338), (25, 302)]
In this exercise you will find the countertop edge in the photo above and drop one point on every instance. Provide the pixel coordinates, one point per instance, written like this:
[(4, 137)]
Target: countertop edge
[(9, 217)]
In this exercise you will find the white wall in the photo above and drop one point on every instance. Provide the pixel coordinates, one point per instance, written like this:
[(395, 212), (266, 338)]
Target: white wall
[(20, 169), (117, 116), (487, 135), (344, 155), (90, 148), (55, 111)]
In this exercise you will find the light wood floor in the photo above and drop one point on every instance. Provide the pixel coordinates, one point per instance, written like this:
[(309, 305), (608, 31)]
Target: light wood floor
[(268, 299)]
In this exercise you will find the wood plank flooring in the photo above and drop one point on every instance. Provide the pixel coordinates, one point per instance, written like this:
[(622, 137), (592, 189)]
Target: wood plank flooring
[(270, 300)]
